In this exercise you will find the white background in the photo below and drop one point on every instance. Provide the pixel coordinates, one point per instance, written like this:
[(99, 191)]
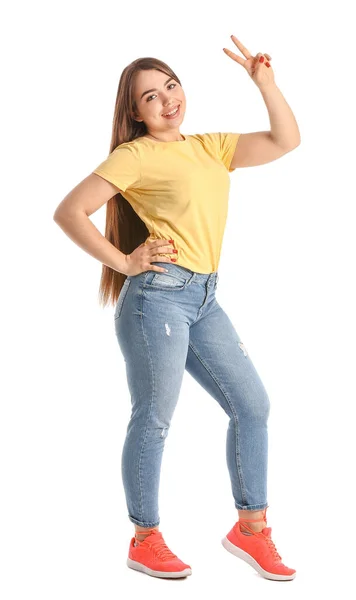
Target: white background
[(287, 275)]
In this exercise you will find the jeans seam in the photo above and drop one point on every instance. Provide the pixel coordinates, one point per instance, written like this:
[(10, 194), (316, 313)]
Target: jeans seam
[(144, 523), (252, 506), (121, 300), (236, 420), (148, 418)]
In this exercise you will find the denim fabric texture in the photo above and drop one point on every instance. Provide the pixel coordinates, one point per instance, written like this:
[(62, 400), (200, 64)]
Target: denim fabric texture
[(166, 323)]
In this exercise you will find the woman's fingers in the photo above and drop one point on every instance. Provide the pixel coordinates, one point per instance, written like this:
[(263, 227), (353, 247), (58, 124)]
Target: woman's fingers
[(241, 47)]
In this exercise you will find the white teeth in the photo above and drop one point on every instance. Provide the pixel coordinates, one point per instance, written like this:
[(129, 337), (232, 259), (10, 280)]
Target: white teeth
[(171, 113)]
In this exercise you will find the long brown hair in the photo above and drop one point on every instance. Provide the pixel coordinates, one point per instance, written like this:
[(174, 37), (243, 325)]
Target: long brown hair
[(124, 228)]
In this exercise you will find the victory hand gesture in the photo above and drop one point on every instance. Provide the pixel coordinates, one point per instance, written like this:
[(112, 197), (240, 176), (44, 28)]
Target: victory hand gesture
[(258, 67)]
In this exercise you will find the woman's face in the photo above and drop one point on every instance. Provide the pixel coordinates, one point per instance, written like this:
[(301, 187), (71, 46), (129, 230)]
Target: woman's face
[(157, 94)]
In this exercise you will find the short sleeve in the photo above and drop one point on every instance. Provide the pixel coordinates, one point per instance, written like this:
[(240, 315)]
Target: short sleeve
[(223, 146), (122, 167)]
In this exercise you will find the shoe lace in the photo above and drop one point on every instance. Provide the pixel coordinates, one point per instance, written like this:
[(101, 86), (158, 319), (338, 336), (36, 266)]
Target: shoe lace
[(159, 547), (270, 544), (161, 550), (272, 548)]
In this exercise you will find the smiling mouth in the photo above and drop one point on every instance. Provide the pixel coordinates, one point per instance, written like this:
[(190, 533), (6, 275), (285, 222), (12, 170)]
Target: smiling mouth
[(174, 115)]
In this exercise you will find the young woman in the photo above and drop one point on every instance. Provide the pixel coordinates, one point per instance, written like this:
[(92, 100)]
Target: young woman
[(167, 196)]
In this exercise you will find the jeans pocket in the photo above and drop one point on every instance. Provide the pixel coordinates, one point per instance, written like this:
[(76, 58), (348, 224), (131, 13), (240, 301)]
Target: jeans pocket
[(164, 281), (121, 298)]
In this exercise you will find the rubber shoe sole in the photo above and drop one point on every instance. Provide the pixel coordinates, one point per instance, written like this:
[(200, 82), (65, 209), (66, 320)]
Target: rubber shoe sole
[(132, 564), (252, 562)]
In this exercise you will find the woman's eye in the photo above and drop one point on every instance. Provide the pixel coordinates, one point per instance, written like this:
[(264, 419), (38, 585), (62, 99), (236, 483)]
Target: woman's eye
[(174, 85)]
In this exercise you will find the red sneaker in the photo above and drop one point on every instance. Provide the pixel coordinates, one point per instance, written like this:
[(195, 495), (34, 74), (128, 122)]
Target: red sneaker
[(258, 550), (153, 557)]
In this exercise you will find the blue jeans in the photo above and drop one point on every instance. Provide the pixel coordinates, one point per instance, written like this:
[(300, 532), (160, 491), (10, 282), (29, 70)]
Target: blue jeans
[(166, 323)]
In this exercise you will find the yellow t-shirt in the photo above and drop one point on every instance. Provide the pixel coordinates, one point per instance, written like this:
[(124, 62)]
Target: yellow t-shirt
[(180, 190)]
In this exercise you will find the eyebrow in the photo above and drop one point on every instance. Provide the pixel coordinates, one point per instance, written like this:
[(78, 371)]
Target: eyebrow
[(155, 89)]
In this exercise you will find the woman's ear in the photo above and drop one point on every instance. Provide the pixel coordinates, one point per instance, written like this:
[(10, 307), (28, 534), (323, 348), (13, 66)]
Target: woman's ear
[(136, 117)]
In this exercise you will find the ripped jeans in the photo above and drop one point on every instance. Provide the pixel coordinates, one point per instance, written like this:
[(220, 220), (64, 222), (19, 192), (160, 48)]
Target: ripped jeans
[(166, 323)]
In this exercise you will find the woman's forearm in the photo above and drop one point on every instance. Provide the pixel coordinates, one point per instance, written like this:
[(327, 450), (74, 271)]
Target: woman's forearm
[(284, 128), (83, 232)]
